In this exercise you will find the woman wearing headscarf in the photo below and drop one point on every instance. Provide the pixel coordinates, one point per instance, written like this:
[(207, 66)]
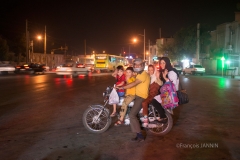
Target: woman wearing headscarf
[(166, 73)]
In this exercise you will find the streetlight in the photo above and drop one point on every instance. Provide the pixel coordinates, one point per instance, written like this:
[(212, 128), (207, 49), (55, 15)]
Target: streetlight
[(143, 43), (148, 54), (134, 41), (45, 45)]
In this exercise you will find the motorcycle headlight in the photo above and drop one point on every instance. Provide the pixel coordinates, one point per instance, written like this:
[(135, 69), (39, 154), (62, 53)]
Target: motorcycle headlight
[(104, 94)]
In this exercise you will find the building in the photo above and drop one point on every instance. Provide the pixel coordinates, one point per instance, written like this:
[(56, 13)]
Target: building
[(225, 41), (154, 51)]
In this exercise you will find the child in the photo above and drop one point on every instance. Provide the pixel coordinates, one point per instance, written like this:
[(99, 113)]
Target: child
[(130, 95), (155, 84), (119, 75)]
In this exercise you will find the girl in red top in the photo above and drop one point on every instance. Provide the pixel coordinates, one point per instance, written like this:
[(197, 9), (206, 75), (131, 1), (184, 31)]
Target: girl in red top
[(120, 76)]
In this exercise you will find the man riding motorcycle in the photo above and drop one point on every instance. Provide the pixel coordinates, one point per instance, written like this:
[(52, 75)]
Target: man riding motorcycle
[(142, 85)]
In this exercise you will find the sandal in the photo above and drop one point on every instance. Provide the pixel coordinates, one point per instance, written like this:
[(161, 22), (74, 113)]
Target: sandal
[(113, 114), (119, 123)]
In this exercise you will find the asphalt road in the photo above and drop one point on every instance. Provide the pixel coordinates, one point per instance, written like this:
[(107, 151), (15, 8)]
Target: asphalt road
[(41, 119)]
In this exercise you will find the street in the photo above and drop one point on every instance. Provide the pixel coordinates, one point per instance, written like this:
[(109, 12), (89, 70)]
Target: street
[(41, 119)]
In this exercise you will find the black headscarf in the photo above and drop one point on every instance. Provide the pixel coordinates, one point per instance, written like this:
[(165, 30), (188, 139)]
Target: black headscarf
[(168, 67)]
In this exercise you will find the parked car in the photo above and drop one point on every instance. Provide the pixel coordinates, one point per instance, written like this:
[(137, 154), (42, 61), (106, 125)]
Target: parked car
[(194, 69), (5, 68), (178, 68), (73, 69), (31, 68)]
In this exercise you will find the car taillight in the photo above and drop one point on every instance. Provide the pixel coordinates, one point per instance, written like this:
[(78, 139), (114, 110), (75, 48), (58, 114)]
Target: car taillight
[(18, 67)]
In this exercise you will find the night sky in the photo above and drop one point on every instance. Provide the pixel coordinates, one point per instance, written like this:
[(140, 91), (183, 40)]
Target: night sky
[(109, 25)]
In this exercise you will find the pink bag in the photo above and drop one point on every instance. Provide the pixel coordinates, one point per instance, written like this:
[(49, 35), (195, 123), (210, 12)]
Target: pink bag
[(169, 95)]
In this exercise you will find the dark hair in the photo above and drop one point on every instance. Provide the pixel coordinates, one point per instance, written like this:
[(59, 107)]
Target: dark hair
[(130, 68), (168, 67), (150, 65), (168, 63), (120, 68)]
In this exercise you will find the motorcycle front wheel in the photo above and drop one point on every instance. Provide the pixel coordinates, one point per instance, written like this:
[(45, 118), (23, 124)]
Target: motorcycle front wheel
[(163, 127), (96, 119)]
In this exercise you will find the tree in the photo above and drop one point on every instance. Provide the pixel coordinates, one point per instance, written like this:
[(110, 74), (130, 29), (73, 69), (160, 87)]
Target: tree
[(3, 49), (185, 41), (18, 46)]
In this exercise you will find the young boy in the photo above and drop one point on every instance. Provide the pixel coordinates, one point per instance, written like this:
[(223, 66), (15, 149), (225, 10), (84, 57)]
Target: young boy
[(130, 95), (119, 75)]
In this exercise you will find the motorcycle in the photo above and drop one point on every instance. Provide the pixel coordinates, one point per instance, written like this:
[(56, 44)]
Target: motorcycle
[(96, 118)]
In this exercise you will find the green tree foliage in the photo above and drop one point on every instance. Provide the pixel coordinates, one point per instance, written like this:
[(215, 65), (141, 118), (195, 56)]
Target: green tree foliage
[(185, 43), (3, 50)]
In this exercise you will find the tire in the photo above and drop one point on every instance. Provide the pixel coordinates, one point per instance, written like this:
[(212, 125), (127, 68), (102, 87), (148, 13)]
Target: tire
[(184, 73), (75, 74), (94, 125), (163, 128), (32, 72), (16, 72), (4, 72), (193, 73)]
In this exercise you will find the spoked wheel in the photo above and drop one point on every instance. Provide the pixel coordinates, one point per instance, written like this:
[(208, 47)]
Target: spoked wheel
[(162, 128), (96, 120)]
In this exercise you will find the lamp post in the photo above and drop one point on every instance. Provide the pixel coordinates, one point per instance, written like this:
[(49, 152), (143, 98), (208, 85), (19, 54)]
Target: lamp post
[(143, 44), (45, 46), (134, 41), (223, 59), (31, 53)]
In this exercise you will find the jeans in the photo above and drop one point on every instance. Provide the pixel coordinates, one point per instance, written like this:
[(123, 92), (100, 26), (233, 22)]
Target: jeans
[(121, 94)]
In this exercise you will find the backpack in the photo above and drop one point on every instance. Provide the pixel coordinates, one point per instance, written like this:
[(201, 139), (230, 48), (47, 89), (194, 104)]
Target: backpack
[(169, 95)]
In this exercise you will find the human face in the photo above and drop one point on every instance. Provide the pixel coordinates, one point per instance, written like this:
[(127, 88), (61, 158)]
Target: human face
[(151, 70), (162, 64), (129, 73), (120, 72), (138, 67)]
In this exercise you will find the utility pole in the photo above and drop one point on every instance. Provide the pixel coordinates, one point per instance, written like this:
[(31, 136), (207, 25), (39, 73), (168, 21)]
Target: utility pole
[(149, 51), (65, 51), (198, 43), (45, 46), (85, 51), (129, 51), (160, 32), (27, 56), (144, 46)]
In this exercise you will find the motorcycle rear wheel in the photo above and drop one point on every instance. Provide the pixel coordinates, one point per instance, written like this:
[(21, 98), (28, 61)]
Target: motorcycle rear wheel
[(163, 128), (94, 124)]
